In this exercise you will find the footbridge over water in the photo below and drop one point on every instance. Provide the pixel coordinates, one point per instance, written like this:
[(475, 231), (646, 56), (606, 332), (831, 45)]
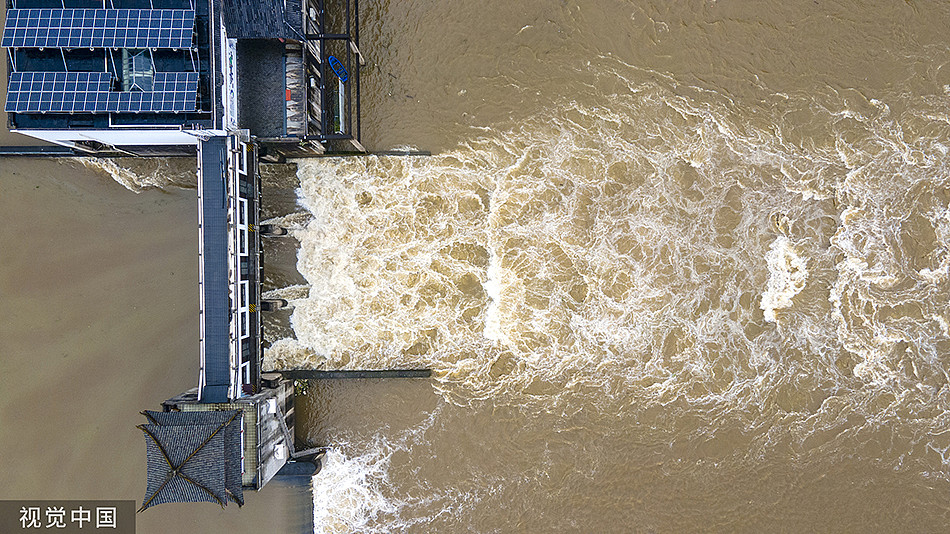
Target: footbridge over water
[(229, 260)]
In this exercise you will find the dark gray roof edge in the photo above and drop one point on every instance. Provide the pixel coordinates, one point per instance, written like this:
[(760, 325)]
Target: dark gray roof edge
[(215, 283), (263, 19)]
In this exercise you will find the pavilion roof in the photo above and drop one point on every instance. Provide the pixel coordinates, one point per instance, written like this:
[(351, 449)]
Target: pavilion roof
[(193, 457)]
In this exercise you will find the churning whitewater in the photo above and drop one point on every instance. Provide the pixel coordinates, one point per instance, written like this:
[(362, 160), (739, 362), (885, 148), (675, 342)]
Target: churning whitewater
[(653, 258)]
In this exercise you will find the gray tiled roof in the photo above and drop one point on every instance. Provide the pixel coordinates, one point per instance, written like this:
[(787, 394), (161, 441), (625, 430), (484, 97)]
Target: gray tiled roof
[(263, 19), (214, 250), (193, 457)]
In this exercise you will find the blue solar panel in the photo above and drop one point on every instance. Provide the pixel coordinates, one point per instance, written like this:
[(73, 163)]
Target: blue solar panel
[(88, 92), (98, 28)]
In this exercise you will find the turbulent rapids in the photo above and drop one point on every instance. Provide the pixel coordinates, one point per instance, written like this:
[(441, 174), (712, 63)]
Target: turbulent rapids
[(631, 243), (655, 255)]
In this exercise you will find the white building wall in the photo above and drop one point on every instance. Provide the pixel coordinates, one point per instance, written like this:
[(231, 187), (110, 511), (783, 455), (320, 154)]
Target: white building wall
[(229, 92), (117, 137)]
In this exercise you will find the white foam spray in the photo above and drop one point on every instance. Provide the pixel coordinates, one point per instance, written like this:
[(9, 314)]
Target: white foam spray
[(140, 174), (787, 277), (348, 492)]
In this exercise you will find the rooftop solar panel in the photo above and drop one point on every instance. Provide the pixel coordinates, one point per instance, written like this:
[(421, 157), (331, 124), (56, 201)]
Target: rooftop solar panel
[(98, 28), (88, 92)]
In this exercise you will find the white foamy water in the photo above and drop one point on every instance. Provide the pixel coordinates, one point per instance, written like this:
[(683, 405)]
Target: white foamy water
[(626, 260), (787, 276), (348, 492), (139, 174)]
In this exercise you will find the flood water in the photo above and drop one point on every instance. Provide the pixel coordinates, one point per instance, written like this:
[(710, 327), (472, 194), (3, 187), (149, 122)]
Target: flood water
[(677, 267)]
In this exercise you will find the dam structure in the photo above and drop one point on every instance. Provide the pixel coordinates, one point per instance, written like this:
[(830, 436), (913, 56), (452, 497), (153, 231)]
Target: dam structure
[(227, 82)]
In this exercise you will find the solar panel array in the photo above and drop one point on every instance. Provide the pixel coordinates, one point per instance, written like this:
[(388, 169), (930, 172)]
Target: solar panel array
[(98, 28), (71, 92)]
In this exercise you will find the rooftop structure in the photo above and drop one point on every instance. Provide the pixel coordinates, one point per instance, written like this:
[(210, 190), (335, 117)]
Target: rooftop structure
[(132, 76), (229, 263), (194, 457), (235, 429), (266, 424)]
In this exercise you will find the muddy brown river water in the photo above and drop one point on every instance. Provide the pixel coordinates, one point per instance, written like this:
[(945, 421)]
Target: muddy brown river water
[(677, 266)]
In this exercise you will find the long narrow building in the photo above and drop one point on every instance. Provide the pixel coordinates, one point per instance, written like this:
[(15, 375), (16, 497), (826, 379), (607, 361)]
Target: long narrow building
[(229, 268)]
